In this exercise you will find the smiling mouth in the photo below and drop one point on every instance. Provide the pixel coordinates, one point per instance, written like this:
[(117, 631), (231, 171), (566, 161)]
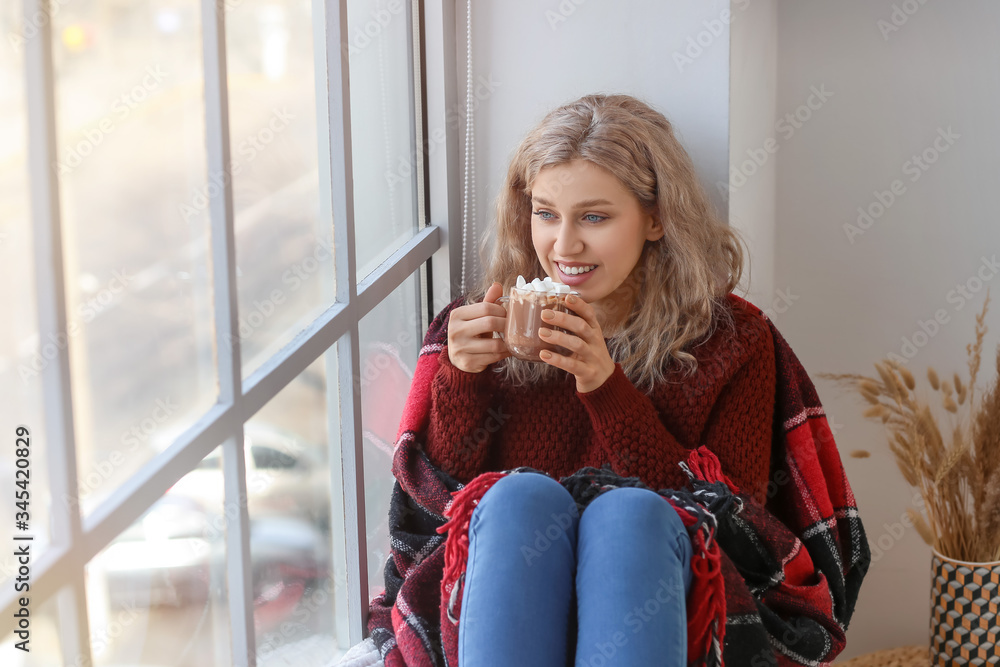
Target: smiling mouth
[(576, 270)]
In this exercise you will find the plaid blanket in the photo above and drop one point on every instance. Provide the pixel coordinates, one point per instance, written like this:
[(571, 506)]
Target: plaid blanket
[(771, 585)]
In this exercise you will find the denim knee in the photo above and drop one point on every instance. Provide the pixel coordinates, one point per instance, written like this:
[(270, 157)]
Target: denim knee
[(645, 507), (529, 494)]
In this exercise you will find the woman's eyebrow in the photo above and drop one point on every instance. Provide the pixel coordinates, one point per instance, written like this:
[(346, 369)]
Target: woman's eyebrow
[(584, 204)]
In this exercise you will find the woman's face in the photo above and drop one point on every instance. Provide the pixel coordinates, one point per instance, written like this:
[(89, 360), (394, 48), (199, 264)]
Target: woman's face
[(582, 215)]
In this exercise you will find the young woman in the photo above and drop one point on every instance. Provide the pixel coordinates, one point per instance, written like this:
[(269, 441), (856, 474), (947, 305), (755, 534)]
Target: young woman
[(664, 358)]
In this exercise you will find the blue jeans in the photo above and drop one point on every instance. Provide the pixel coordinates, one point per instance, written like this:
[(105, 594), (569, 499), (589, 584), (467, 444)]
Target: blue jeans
[(534, 560)]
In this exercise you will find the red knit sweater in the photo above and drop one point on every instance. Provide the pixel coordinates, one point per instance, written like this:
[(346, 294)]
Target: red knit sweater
[(478, 424)]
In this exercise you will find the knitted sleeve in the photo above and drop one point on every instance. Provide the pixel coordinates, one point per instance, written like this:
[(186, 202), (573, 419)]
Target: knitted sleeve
[(461, 419)]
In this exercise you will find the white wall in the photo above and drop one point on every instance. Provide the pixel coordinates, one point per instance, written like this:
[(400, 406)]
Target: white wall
[(858, 298), (755, 139), (540, 54)]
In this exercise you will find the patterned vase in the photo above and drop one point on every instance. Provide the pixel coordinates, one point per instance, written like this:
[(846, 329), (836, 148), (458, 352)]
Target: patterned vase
[(965, 612)]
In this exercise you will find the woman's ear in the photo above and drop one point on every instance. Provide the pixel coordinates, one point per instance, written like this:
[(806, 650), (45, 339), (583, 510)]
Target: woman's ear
[(654, 230)]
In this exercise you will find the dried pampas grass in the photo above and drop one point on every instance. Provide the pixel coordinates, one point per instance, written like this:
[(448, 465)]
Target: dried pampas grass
[(958, 480)]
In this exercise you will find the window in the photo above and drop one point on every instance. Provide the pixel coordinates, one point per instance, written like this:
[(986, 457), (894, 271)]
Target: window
[(226, 260)]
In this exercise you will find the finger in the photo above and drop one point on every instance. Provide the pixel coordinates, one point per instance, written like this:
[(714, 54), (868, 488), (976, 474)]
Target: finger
[(569, 341), (493, 293), (484, 346), (474, 311), (485, 325), (556, 359), (583, 309), (568, 321)]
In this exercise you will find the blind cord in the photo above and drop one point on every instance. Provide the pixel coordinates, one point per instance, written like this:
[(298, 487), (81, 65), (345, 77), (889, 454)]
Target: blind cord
[(469, 182)]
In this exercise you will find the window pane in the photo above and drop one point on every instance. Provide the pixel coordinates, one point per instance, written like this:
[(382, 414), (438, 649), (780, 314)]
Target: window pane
[(382, 129), (43, 641), (390, 341), (131, 153), (159, 589), (23, 356), (288, 486), (284, 252)]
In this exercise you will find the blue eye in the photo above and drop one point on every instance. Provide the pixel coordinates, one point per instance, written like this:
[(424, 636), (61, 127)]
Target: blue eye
[(600, 218), (542, 214)]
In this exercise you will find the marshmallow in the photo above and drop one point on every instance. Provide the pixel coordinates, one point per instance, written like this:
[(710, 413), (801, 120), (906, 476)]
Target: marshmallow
[(544, 286)]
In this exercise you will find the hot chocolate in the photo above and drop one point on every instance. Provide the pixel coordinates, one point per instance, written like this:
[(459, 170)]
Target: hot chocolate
[(524, 316)]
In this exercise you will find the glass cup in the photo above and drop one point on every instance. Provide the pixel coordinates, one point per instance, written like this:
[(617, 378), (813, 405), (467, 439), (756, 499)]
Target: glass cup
[(524, 320)]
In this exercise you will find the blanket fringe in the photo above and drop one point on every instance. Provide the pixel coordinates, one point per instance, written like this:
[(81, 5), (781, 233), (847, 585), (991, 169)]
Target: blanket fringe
[(707, 611), (706, 608), (704, 464), (456, 549)]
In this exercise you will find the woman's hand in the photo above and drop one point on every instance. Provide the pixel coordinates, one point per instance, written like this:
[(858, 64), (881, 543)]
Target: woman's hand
[(471, 344), (590, 360)]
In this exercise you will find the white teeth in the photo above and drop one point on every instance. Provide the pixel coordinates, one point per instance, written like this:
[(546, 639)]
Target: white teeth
[(572, 271)]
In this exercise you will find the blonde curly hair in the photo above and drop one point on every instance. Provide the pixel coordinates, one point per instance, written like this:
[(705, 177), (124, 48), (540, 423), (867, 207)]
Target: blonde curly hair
[(681, 280)]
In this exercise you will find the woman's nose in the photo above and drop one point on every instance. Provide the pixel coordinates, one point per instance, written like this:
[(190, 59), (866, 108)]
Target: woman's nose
[(567, 241)]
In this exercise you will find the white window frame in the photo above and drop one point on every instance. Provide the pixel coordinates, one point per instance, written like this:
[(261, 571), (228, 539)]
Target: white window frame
[(59, 571)]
